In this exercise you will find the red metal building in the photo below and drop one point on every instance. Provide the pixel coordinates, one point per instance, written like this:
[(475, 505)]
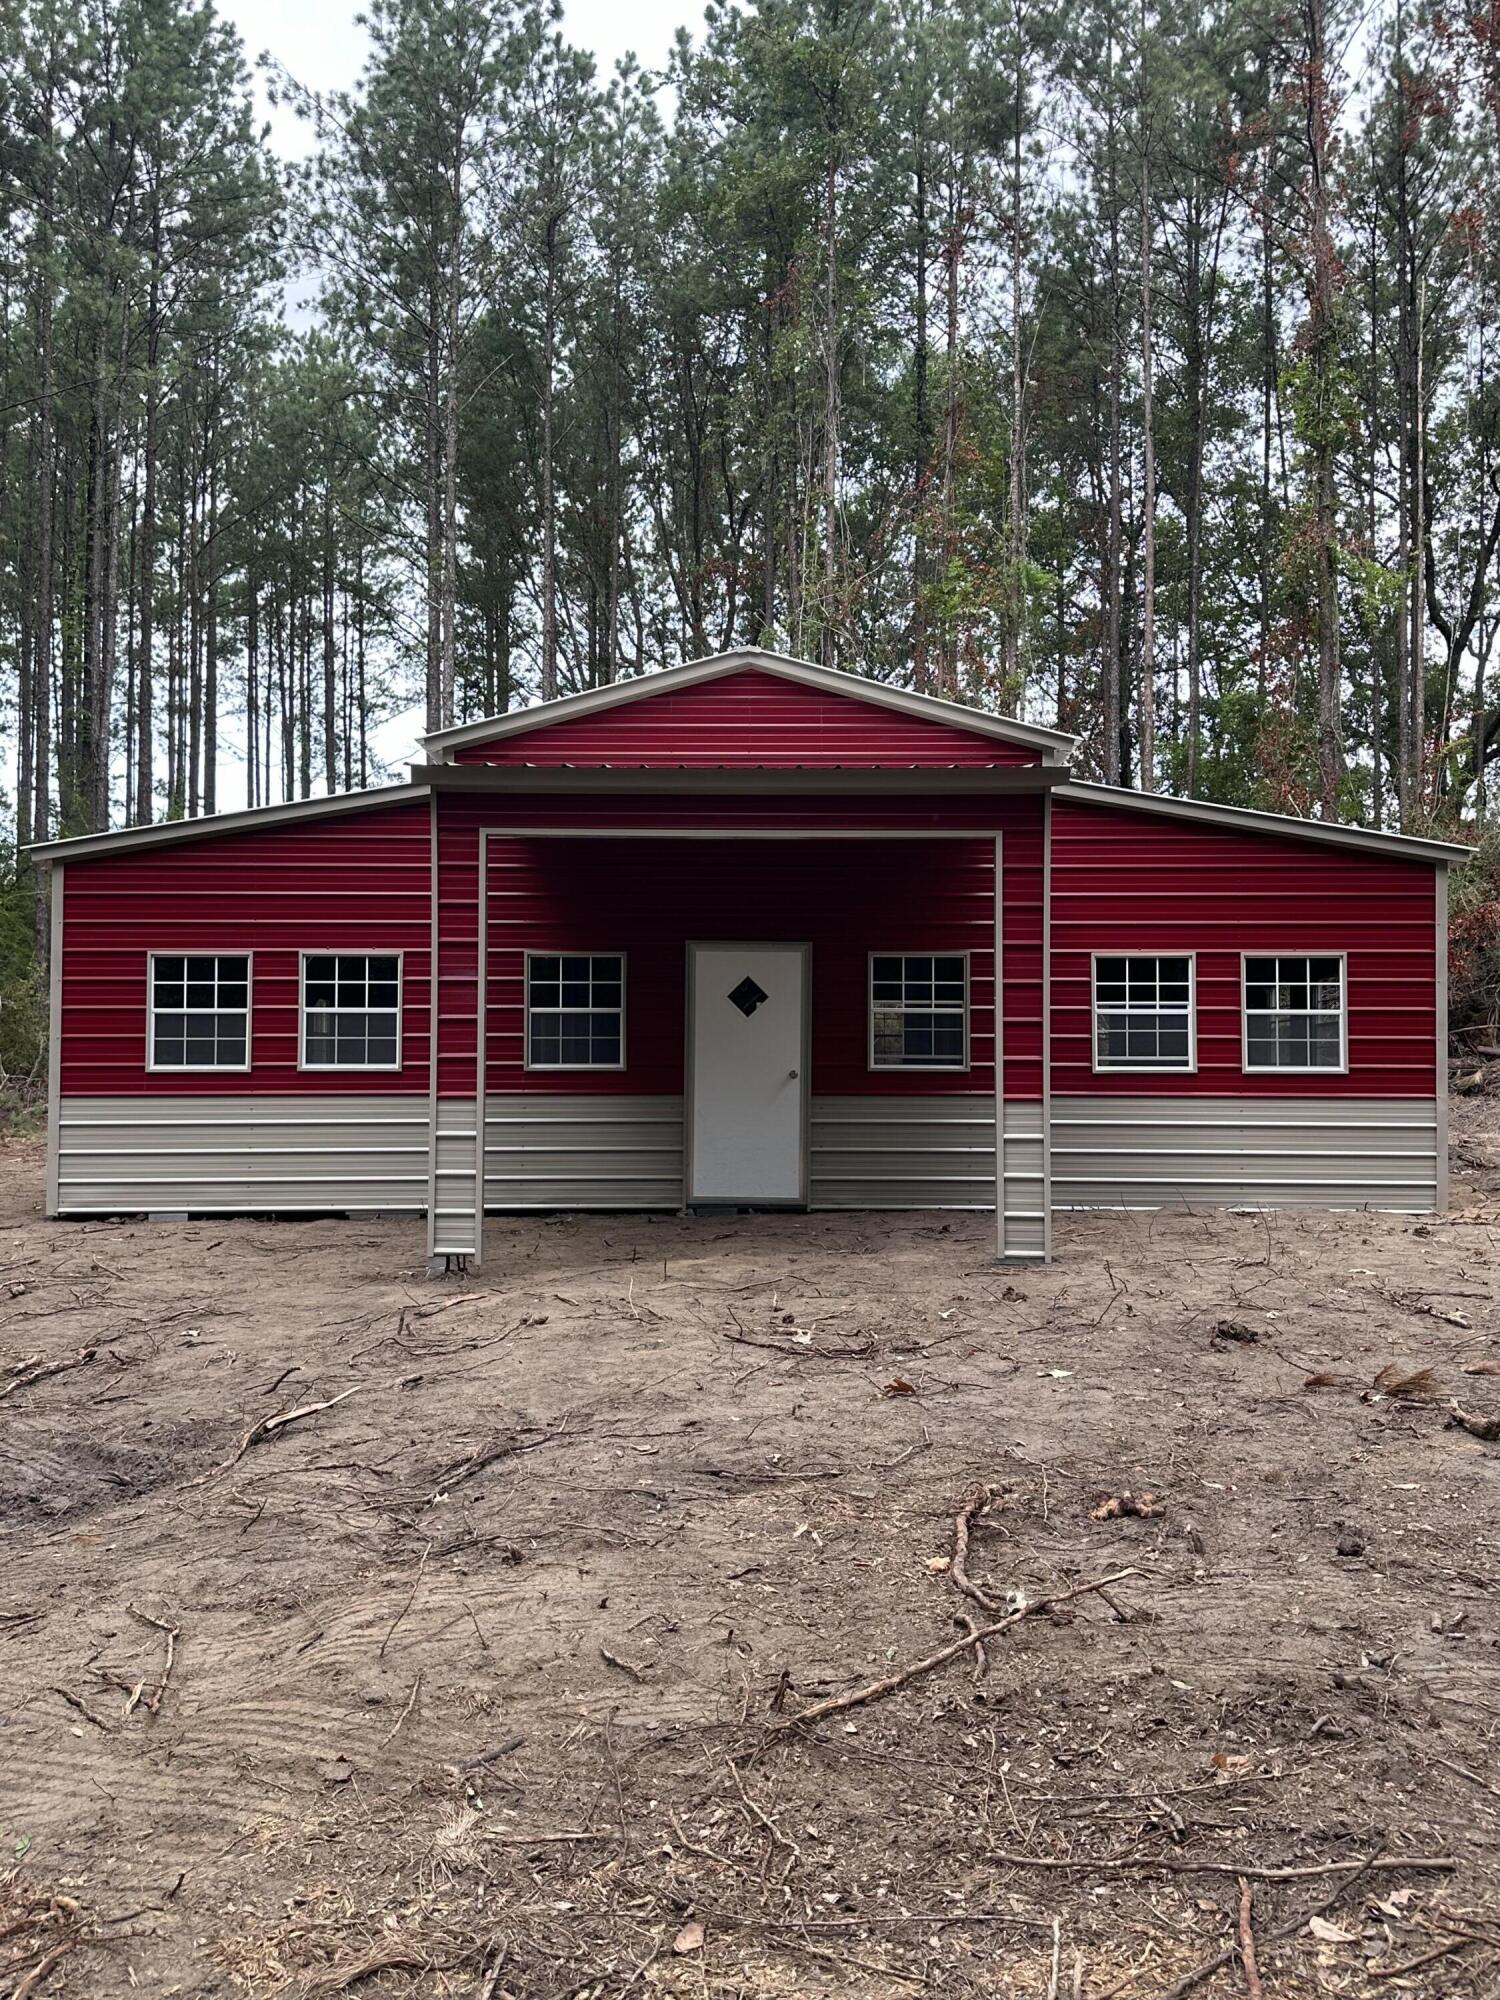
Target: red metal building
[(746, 932)]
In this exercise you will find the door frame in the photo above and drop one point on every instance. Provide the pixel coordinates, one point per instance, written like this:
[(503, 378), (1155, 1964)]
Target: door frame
[(689, 1078)]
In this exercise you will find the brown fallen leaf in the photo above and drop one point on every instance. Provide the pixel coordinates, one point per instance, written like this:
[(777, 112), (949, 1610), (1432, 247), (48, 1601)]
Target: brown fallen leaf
[(1482, 1368), (898, 1386), (1391, 1382), (1233, 1763), (1325, 1379), (689, 1938), (1485, 1428), (1115, 1506), (1329, 1933)]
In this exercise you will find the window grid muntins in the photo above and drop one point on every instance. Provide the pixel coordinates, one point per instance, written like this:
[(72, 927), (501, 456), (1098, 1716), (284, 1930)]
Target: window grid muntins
[(200, 1011), (351, 1010), (1294, 1012), (919, 1007), (1143, 1013), (575, 1010)]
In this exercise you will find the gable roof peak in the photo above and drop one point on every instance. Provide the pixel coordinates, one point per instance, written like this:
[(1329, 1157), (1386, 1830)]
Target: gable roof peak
[(1055, 746)]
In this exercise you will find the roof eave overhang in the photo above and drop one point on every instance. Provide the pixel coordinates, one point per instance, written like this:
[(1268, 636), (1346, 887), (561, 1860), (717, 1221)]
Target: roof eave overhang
[(168, 833), (1246, 819), (501, 780)]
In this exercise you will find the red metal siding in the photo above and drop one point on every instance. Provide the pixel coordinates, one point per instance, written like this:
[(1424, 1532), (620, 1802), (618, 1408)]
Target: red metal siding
[(648, 898), (1129, 880), (751, 718), (356, 881)]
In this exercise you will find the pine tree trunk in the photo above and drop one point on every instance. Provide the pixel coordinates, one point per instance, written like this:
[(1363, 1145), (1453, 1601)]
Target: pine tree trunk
[(1148, 468)]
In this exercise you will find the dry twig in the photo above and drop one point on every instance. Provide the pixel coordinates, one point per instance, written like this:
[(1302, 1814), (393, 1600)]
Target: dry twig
[(35, 1369), (1247, 1941), (173, 1633), (270, 1427), (889, 1683)]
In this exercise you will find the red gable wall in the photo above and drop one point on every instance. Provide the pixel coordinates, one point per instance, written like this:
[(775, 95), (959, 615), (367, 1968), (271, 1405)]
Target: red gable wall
[(1129, 880), (750, 718)]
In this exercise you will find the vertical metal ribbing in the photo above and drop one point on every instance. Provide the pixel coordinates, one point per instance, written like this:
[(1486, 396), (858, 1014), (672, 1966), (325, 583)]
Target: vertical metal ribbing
[(54, 1040)]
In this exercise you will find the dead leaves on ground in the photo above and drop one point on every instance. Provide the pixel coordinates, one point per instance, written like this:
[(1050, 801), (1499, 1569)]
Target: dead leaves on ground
[(1417, 1385), (1125, 1504), (1487, 1429)]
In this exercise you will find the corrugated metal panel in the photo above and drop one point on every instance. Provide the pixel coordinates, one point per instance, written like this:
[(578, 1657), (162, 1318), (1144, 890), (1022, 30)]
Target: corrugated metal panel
[(238, 1155), (352, 882), (937, 1152), (546, 1151), (453, 1231), (749, 718), (1151, 1152), (1134, 881), (903, 1152)]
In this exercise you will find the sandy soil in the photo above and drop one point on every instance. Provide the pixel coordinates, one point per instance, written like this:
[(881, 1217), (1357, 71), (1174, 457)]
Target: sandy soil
[(485, 1676)]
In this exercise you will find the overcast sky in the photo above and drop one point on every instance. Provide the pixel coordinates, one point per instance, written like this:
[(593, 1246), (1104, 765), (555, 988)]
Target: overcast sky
[(321, 44)]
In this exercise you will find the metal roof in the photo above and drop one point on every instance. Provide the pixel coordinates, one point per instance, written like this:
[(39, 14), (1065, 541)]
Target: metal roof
[(250, 819), (1246, 819)]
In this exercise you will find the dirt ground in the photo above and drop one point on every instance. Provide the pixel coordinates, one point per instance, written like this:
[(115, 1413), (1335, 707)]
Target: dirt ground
[(365, 1633)]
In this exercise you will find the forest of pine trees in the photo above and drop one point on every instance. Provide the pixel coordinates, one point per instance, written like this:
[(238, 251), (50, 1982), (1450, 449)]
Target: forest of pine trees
[(1125, 366)]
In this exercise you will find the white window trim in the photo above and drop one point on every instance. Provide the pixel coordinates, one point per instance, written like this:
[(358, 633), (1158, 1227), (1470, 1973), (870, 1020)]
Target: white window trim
[(914, 1069), (1300, 1069), (349, 1069), (1188, 1068), (575, 951), (153, 1067)]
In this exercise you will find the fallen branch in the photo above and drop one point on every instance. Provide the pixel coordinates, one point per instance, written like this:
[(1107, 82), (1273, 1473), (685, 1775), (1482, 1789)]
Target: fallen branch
[(979, 1502), (889, 1683), (35, 1369), (1247, 1942), (411, 1600), (33, 1979), (1160, 1864), (1427, 1958), (83, 1709), (270, 1427), (411, 1702), (173, 1633), (1207, 1967), (484, 1456)]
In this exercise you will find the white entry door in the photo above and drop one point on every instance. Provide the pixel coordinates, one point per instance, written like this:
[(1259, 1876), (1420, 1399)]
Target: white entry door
[(747, 1057)]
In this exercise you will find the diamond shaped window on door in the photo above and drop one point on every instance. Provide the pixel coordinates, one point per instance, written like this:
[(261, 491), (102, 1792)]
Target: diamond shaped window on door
[(747, 996)]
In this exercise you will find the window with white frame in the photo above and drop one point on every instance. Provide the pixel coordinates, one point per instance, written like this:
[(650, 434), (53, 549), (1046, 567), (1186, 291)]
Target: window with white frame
[(1295, 1012), (575, 1010), (919, 1010), (1143, 1013), (199, 1011), (351, 1010)]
